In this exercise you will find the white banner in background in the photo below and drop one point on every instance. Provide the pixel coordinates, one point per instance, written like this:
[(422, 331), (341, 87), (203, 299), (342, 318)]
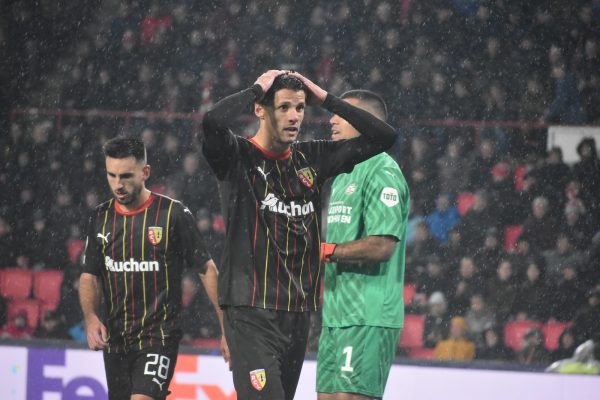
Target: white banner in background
[(65, 374)]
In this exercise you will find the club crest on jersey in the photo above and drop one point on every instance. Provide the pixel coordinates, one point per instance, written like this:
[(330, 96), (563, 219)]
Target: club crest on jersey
[(258, 379), (351, 188), (155, 234), (306, 177)]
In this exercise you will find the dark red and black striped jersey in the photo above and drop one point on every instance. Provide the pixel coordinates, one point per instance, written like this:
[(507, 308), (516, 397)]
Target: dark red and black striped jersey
[(271, 204), (140, 256)]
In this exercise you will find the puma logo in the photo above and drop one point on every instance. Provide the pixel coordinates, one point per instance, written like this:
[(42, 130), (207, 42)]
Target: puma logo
[(104, 238), (158, 383), (259, 169)]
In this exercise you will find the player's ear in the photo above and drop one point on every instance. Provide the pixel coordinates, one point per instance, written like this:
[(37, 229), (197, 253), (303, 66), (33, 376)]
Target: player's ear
[(146, 172), (259, 111)]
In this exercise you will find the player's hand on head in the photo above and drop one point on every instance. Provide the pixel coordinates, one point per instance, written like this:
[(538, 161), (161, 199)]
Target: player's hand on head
[(266, 80), (318, 95)]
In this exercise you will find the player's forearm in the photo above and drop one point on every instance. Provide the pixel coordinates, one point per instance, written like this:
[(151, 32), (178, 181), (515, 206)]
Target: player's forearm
[(210, 282), (377, 132), (365, 250), (226, 110), (89, 295)]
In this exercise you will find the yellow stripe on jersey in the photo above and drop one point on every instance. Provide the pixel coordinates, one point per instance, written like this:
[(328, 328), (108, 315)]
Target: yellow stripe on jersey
[(316, 288), (287, 240), (124, 276), (302, 267), (268, 243), (143, 279), (104, 254), (162, 333)]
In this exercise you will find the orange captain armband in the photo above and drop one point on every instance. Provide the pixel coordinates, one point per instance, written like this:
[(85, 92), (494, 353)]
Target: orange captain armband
[(327, 250)]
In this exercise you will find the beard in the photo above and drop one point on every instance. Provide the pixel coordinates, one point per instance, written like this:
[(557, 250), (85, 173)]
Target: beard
[(132, 197)]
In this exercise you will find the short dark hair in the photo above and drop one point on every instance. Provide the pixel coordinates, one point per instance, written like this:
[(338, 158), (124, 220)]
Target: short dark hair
[(374, 100), (123, 147), (283, 81)]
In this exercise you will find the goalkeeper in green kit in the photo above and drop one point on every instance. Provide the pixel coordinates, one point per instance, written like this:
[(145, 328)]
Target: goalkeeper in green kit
[(363, 310)]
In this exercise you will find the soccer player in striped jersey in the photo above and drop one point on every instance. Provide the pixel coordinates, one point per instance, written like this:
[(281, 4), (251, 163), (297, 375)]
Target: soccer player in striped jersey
[(137, 246), (363, 310), (270, 191)]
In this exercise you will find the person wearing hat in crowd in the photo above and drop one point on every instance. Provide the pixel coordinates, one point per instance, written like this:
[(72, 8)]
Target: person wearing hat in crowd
[(457, 347), (586, 172), (582, 362), (437, 321), (502, 194)]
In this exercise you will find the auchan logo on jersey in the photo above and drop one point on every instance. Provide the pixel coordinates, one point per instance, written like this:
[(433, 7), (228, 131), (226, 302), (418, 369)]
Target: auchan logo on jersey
[(131, 265), (292, 210)]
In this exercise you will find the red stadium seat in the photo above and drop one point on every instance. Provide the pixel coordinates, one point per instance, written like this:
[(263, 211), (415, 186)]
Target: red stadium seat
[(514, 331), (30, 306), (552, 332), (464, 202), (511, 235), (412, 333), (15, 283), (421, 353), (46, 286), (207, 343), (409, 293)]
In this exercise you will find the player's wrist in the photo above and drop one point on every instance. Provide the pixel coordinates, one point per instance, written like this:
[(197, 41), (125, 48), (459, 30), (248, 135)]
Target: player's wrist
[(327, 250)]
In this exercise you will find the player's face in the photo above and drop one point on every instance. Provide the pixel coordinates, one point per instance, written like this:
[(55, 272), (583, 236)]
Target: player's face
[(283, 120), (340, 128), (126, 178)]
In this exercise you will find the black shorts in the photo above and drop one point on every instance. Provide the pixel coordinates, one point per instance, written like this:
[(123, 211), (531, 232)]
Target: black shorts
[(267, 350), (147, 372)]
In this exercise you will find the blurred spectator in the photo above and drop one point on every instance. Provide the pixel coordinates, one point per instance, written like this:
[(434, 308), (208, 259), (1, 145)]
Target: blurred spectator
[(566, 346), (578, 228), (533, 294), (532, 348), (420, 171), (454, 248), (68, 307), (456, 347), (502, 194), (563, 254), (482, 163), (2, 311), (493, 347), (586, 172), (478, 318), (566, 107), (475, 223), (197, 319), (434, 279), (8, 250), (586, 324), (502, 291), (451, 169), (416, 254), (194, 184), (437, 321), (443, 218), (569, 295), (414, 218), (17, 327), (540, 227), (488, 256), (51, 326), (463, 285)]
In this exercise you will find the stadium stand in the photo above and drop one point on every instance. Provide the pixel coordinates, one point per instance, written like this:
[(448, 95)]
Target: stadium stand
[(449, 74)]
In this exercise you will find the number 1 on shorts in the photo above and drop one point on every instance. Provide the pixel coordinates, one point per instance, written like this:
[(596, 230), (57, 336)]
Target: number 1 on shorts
[(348, 352)]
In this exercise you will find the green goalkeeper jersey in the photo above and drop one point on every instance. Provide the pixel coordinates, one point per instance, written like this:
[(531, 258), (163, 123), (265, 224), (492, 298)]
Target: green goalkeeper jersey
[(372, 200)]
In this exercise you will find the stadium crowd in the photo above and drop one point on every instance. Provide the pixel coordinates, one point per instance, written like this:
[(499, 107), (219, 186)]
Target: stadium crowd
[(464, 60)]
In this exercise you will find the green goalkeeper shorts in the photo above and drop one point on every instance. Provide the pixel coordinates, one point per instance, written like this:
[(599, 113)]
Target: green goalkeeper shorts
[(356, 359)]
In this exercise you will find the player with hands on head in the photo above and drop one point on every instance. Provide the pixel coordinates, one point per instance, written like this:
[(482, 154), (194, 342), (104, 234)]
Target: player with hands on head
[(137, 247), (270, 187)]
